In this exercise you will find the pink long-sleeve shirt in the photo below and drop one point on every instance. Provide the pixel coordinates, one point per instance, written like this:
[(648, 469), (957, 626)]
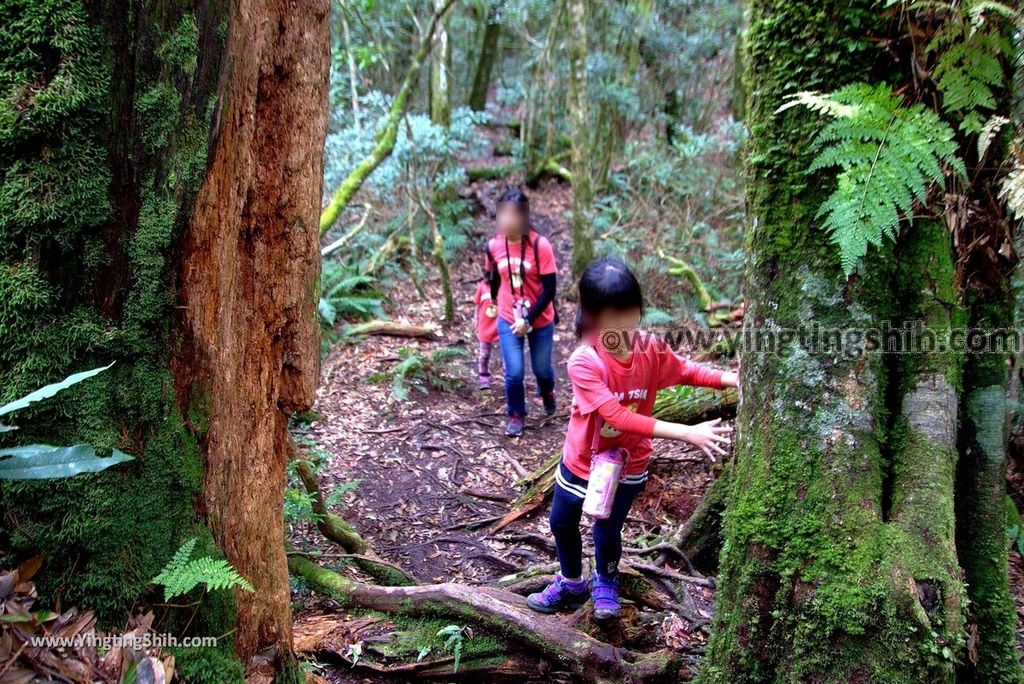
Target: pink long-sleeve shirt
[(622, 394)]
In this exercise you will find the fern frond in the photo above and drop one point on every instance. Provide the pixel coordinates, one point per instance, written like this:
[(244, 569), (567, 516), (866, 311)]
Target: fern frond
[(178, 561), (970, 49), (1012, 190), (446, 354), (820, 103), (181, 575), (887, 154), (988, 133)]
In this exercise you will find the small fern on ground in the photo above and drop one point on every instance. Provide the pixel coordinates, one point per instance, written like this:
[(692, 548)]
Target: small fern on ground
[(455, 637), (888, 155), (346, 293), (422, 371), (183, 573)]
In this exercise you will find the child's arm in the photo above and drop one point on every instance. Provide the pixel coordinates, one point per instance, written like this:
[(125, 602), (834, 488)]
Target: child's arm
[(679, 370), (709, 437)]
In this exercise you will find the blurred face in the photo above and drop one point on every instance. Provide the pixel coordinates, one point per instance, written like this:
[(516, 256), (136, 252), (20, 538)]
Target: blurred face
[(511, 221), (618, 319)]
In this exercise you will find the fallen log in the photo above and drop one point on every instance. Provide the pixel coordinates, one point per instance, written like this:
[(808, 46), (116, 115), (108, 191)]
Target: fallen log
[(393, 329), (394, 649), (500, 613), (696, 404), (481, 173), (549, 167)]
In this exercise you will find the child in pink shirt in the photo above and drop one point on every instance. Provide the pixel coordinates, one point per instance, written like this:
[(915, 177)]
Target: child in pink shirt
[(616, 373), (486, 319)]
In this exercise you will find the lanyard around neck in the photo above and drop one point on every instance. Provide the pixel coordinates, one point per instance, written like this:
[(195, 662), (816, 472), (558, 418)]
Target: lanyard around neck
[(522, 269)]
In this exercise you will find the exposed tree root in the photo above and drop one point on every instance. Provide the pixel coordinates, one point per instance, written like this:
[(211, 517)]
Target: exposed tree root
[(540, 484), (700, 537), (501, 613), (339, 531)]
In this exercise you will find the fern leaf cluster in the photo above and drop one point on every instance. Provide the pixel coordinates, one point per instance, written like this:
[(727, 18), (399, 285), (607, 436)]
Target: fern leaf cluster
[(183, 573), (971, 48), (888, 155)]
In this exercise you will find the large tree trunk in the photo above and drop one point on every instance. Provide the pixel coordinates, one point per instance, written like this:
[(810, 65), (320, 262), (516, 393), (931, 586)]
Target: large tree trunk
[(839, 561), (123, 114), (250, 267), (981, 500)]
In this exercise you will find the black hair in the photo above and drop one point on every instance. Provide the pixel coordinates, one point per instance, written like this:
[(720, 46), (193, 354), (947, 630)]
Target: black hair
[(606, 283), (515, 196)]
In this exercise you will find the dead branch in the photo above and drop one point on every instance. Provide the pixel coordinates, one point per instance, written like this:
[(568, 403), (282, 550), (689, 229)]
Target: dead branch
[(339, 531), (393, 329)]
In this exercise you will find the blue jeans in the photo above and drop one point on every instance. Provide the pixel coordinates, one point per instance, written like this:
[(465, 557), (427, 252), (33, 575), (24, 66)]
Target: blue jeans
[(566, 511), (512, 352)]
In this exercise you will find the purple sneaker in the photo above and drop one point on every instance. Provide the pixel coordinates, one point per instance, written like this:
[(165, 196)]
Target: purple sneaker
[(484, 382), (559, 595), (515, 426), (606, 597)]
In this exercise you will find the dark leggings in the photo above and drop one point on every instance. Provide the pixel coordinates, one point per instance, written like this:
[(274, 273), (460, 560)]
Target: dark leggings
[(566, 511)]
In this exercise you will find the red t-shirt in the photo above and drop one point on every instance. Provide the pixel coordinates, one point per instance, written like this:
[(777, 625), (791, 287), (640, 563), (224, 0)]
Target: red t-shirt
[(530, 287), (633, 384), (486, 314)]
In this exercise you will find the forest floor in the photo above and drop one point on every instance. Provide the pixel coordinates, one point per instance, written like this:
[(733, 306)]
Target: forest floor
[(435, 471)]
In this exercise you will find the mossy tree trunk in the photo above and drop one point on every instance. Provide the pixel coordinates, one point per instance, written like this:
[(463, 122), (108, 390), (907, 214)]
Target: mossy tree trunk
[(981, 497), (839, 560), (485, 62), (160, 165), (440, 71), (580, 126)]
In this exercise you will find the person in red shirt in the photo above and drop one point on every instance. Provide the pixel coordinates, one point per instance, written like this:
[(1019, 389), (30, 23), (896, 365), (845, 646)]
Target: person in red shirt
[(616, 372), (486, 320), (522, 271)]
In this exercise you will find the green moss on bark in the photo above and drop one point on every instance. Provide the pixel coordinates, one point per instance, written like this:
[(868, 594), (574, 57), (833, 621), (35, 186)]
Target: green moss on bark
[(981, 536), (817, 584), (104, 117)]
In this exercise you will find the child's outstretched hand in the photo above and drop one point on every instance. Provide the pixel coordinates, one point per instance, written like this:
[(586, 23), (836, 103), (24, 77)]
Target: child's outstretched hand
[(710, 437)]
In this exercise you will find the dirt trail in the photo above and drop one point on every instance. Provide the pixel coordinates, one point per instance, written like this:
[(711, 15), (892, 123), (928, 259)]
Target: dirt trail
[(436, 469)]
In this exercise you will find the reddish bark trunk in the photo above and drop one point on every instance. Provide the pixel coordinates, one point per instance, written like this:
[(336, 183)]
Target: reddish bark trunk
[(249, 333)]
